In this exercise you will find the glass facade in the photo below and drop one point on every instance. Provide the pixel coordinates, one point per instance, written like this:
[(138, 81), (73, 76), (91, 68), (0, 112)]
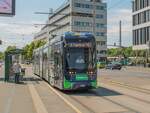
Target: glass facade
[(141, 18), (100, 34), (81, 5), (88, 24), (141, 36), (140, 4)]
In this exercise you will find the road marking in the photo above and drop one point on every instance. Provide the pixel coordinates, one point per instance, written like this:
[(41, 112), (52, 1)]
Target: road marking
[(39, 106), (64, 99)]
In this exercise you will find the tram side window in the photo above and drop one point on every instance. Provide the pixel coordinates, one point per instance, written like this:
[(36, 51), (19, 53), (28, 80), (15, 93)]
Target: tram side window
[(36, 59), (51, 51), (57, 59)]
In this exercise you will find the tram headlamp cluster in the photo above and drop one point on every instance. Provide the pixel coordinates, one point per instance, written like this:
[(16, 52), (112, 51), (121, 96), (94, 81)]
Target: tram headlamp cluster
[(91, 72), (72, 72)]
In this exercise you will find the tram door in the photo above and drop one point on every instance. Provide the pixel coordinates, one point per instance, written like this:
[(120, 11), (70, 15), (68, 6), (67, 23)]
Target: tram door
[(58, 75), (41, 63), (51, 65), (45, 63)]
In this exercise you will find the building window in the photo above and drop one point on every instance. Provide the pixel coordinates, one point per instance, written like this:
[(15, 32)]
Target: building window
[(77, 5), (100, 16), (140, 4), (80, 5), (98, 25), (100, 34), (100, 7), (141, 18), (82, 24), (141, 36)]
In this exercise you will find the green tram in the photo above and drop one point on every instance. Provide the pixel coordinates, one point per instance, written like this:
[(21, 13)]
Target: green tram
[(68, 62)]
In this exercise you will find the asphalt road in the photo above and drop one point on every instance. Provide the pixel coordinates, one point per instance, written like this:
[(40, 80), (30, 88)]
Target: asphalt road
[(125, 91)]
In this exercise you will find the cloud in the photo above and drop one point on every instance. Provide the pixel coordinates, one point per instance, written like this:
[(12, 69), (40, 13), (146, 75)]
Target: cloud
[(20, 28), (17, 33), (125, 15), (115, 16)]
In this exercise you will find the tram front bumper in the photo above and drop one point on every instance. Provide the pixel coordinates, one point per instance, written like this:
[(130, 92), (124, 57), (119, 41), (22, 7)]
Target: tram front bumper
[(80, 85)]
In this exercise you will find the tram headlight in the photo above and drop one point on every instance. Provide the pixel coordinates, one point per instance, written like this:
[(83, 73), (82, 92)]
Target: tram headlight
[(72, 72), (91, 72)]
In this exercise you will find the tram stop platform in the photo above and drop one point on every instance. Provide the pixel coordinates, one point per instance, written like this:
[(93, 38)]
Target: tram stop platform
[(32, 95), (15, 98)]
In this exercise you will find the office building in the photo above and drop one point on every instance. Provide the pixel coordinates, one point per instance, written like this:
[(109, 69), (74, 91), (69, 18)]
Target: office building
[(141, 24), (77, 16)]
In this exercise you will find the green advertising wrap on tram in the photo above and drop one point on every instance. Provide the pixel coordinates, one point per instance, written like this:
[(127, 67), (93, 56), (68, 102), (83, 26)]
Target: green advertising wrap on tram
[(68, 62)]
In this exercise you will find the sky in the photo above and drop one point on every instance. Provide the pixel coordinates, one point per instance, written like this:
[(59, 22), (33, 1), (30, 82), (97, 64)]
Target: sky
[(20, 29)]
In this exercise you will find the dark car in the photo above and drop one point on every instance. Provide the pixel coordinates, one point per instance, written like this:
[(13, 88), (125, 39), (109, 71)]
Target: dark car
[(114, 65)]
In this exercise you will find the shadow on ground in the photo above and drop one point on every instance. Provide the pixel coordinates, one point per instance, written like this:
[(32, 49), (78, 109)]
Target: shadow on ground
[(23, 80), (100, 91)]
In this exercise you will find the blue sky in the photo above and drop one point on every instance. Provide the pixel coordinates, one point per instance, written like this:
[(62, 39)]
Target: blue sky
[(21, 34)]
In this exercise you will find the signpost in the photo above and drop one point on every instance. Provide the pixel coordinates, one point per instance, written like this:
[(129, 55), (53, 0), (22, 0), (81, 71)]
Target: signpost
[(7, 7), (0, 42)]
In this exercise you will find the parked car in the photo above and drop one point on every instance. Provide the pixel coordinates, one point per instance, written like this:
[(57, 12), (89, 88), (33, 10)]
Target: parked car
[(114, 65)]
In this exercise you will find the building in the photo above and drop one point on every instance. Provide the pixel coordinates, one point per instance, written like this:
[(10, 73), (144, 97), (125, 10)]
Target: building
[(42, 35), (77, 16), (141, 24)]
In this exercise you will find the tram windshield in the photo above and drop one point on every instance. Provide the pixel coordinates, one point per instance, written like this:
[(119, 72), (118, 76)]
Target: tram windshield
[(78, 58)]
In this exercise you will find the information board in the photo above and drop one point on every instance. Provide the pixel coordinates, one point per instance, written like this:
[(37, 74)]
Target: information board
[(7, 7)]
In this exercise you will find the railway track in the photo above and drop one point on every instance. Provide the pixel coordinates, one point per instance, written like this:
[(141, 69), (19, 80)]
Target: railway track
[(142, 90), (130, 87), (95, 93), (127, 86), (83, 105)]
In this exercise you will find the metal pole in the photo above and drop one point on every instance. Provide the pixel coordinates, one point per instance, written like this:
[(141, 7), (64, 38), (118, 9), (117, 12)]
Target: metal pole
[(94, 17), (120, 34), (149, 50)]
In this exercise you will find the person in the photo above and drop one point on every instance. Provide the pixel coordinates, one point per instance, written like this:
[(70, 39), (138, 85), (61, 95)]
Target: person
[(80, 60), (16, 70)]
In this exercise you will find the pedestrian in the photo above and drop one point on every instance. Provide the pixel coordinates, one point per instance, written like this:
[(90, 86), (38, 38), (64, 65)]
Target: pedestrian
[(16, 70)]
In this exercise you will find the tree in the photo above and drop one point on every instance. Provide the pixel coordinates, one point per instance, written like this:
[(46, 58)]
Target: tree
[(9, 48), (1, 55), (28, 49), (125, 52)]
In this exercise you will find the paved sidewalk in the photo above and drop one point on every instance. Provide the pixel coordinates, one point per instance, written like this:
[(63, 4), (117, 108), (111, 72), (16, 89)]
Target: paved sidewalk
[(15, 99), (31, 96)]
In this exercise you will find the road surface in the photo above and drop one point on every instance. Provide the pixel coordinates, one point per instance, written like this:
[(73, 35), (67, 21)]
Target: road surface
[(125, 91)]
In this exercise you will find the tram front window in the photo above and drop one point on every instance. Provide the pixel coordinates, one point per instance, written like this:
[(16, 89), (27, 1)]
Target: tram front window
[(77, 59)]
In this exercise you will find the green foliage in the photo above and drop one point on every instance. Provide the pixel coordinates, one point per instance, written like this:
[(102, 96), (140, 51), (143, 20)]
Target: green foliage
[(126, 52), (1, 55), (28, 49), (9, 48)]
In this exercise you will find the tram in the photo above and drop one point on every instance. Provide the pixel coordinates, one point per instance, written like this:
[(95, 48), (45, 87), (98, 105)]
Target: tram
[(68, 62)]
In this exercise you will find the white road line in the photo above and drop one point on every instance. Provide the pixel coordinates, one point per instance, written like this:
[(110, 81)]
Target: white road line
[(39, 106), (64, 99)]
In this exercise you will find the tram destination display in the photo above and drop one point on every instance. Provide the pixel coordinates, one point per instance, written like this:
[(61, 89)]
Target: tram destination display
[(78, 45)]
